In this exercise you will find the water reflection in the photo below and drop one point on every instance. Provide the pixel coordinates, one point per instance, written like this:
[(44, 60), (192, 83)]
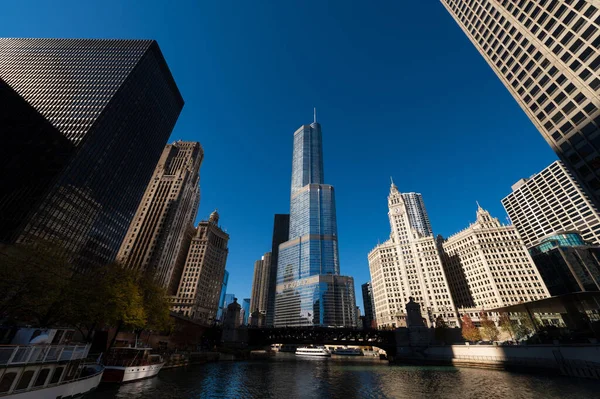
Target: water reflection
[(288, 377)]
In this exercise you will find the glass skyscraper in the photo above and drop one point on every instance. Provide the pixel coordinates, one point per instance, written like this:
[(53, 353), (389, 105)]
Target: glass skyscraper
[(83, 125), (310, 291)]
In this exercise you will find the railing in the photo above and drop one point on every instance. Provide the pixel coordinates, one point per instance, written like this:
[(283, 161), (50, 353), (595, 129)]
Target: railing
[(18, 355)]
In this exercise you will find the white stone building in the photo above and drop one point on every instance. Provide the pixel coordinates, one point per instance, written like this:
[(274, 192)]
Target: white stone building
[(488, 266), (552, 201), (408, 265)]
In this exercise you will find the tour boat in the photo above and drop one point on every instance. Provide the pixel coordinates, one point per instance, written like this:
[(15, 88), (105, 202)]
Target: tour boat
[(313, 351), (131, 364), (348, 351), (40, 364)]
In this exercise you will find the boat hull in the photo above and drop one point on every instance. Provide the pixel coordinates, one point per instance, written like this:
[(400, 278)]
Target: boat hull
[(67, 390), (128, 374), (348, 354), (314, 354)]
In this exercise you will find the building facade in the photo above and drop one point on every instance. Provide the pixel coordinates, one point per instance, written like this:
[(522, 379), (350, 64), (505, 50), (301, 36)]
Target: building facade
[(309, 289), (567, 263), (201, 282), (551, 201), (260, 286), (417, 214), (81, 121), (245, 311), (222, 296), (281, 232), (369, 320), (168, 209), (408, 265), (488, 266), (547, 54)]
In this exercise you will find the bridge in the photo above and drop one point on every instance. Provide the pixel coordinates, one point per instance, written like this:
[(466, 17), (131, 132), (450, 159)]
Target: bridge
[(383, 339)]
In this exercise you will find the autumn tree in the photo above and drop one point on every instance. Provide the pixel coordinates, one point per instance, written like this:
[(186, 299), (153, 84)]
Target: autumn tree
[(469, 331), (506, 324), (489, 327)]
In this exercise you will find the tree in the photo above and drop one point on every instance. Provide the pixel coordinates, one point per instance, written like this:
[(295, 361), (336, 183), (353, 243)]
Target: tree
[(123, 299), (489, 327), (38, 286), (524, 328), (469, 331), (35, 284), (506, 324), (156, 306), (440, 329)]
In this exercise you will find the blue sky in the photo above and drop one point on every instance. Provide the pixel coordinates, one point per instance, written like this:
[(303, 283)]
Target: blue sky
[(399, 91)]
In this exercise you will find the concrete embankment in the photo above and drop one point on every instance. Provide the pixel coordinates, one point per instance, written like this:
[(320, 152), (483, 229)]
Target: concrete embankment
[(572, 360)]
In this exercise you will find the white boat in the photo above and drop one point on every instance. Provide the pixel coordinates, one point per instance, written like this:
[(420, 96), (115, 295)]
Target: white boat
[(131, 364), (313, 351), (348, 351), (34, 369)]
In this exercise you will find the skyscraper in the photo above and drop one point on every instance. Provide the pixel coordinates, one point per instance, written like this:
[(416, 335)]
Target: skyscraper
[(246, 311), (567, 263), (222, 295), (84, 123), (168, 209), (488, 266), (547, 54), (260, 286), (201, 282), (551, 201), (368, 305), (281, 231), (417, 214), (408, 265), (310, 290)]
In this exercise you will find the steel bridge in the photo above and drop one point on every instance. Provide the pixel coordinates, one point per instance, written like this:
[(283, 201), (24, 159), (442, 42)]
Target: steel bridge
[(383, 339)]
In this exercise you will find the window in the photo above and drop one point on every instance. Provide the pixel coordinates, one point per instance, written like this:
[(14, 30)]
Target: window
[(56, 375), (41, 378), (25, 380), (7, 381)]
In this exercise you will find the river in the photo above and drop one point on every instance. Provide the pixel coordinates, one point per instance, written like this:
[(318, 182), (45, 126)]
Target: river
[(287, 377)]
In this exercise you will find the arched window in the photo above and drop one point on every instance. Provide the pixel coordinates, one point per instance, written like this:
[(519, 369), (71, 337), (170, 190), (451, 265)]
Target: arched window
[(7, 381), (25, 380), (41, 378)]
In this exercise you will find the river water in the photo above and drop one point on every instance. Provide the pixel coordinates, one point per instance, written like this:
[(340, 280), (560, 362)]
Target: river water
[(287, 377)]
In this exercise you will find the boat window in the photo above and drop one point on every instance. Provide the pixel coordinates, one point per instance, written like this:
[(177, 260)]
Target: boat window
[(58, 336), (71, 370), (7, 381), (25, 380), (56, 375), (41, 378)]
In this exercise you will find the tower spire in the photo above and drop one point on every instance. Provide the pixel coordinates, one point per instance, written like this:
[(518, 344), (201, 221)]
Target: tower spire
[(315, 115)]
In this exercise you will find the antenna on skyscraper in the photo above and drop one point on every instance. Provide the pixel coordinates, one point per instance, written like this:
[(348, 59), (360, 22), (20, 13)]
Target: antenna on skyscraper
[(315, 113)]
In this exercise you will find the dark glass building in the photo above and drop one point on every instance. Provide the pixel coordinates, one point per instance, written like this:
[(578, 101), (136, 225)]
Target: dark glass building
[(567, 263), (83, 125), (368, 306), (281, 231)]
